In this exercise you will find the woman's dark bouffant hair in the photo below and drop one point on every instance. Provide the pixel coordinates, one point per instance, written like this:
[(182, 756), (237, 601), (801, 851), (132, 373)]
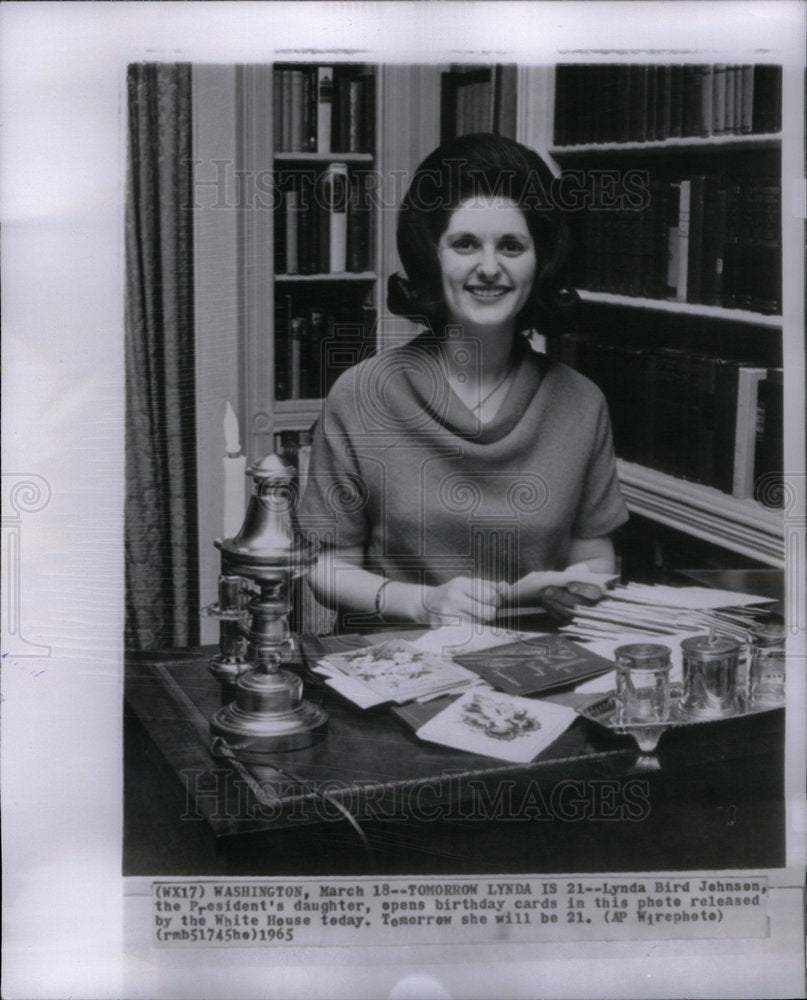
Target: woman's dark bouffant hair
[(474, 165)]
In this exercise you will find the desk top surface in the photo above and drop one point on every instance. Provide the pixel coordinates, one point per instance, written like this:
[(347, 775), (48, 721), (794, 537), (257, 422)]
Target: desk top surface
[(370, 760)]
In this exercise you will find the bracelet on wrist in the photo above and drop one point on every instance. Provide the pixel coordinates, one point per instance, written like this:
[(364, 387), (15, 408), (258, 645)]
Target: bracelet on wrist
[(378, 609)]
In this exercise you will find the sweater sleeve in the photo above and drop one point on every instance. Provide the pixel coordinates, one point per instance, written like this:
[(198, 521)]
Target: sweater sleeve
[(602, 509), (332, 510)]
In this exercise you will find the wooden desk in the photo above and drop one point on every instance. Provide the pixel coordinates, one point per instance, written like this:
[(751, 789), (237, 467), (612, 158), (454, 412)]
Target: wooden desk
[(711, 798)]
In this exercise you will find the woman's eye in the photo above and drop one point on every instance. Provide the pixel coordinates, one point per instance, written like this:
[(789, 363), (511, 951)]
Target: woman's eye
[(464, 243), (513, 246)]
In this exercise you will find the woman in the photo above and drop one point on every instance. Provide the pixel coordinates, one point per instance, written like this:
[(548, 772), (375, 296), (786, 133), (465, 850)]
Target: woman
[(447, 474)]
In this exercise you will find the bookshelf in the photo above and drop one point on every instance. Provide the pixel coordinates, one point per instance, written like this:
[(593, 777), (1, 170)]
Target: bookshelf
[(663, 146), (324, 127), (741, 526), (478, 98), (682, 308), (384, 120), (672, 125)]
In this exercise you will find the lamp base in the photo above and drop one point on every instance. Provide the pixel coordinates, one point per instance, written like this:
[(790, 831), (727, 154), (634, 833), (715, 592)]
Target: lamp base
[(268, 716)]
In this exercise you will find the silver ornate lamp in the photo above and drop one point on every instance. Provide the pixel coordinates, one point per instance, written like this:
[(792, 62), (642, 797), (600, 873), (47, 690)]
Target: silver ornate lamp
[(264, 710)]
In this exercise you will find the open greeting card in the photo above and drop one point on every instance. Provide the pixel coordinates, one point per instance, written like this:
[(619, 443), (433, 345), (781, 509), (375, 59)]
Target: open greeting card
[(395, 671), (498, 725)]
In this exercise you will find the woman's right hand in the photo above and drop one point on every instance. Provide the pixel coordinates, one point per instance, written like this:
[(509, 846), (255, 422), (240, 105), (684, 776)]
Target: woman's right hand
[(463, 597)]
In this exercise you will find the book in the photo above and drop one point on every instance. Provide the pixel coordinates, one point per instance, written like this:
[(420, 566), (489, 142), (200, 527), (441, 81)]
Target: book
[(291, 216), (766, 112), (282, 331), (368, 114), (684, 217), (340, 123), (356, 107), (307, 235), (761, 246), (564, 104), (694, 287), (505, 94), (498, 725), (706, 91), (296, 334), (769, 444), (532, 665), (714, 242), (314, 380), (738, 99), (310, 110), (673, 242), (637, 103), (748, 379), (663, 101), (726, 383), (337, 194), (730, 102), (650, 105), (654, 242), (673, 416), (279, 234), (285, 118), (719, 99), (395, 670), (676, 100), (698, 460), (691, 100), (732, 284), (359, 224), (277, 109), (746, 99), (303, 458), (324, 92)]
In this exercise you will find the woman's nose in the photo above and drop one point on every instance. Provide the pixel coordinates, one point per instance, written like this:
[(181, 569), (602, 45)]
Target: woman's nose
[(488, 266)]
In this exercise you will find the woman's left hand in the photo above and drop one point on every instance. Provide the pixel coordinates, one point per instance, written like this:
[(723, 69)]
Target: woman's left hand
[(560, 602)]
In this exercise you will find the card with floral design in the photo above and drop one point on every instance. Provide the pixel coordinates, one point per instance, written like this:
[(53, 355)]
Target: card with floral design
[(395, 670), (498, 725)]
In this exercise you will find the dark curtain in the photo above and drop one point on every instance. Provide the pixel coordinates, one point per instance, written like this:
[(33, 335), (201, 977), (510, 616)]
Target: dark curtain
[(162, 588)]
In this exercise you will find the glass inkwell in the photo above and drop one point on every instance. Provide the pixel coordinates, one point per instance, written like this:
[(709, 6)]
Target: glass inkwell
[(263, 710)]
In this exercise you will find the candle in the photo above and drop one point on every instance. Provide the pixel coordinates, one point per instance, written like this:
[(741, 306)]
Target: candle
[(235, 464)]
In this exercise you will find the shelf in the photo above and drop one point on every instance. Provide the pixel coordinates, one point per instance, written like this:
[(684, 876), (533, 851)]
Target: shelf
[(742, 526), (296, 414), (718, 143), (684, 308), (333, 276), (324, 157)]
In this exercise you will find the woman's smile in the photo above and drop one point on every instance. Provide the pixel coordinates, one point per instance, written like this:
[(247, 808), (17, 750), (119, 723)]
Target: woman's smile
[(487, 260), (487, 293)]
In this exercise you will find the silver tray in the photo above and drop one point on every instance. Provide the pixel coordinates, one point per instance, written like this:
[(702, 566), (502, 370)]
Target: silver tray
[(647, 735)]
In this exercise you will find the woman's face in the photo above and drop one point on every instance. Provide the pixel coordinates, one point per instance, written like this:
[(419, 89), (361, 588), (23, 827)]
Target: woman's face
[(487, 260)]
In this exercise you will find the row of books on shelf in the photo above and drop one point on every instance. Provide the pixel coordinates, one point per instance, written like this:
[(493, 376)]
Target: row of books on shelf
[(698, 240), (324, 222), (323, 109), (313, 345), (643, 103), (478, 99), (694, 415)]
